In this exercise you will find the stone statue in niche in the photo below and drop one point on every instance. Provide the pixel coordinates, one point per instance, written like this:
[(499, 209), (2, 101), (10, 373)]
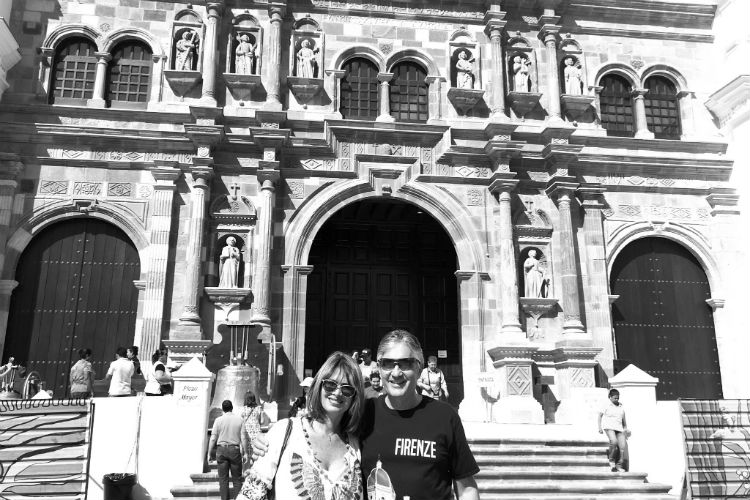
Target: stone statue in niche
[(521, 78), (465, 70), (573, 82), (185, 51), (244, 56), (229, 263), (534, 280), (307, 65)]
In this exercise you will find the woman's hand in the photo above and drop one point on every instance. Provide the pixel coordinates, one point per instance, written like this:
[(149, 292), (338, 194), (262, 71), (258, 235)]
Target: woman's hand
[(260, 447)]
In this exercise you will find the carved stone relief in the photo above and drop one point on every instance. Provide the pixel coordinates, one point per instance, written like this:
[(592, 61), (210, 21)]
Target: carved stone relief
[(519, 380), (296, 189), (656, 212), (87, 188), (474, 197), (124, 189), (53, 187)]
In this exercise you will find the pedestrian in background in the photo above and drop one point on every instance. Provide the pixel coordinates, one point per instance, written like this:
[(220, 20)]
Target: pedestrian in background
[(432, 381), (251, 427), (367, 365), (226, 446), (375, 389), (82, 376), (133, 357), (120, 373), (612, 423), (299, 404)]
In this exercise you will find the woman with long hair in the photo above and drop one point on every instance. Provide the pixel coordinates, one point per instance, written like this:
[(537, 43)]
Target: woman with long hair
[(316, 455)]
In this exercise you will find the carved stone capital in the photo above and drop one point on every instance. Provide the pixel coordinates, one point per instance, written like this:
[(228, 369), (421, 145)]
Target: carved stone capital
[(638, 93), (336, 73), (268, 175), (715, 303), (166, 173), (550, 34), (385, 77), (103, 57), (202, 175), (561, 190), (7, 287), (276, 13), (494, 24), (503, 183), (591, 195)]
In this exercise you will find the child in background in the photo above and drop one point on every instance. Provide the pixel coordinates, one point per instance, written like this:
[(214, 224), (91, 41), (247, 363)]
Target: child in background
[(612, 422)]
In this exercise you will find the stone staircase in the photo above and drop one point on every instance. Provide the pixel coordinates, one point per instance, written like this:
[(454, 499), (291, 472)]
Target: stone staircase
[(549, 469), (521, 468)]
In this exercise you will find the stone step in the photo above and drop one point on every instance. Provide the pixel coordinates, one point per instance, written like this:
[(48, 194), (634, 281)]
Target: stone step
[(497, 449), (572, 473), (206, 491), (577, 496), (543, 461), (581, 487), (534, 441)]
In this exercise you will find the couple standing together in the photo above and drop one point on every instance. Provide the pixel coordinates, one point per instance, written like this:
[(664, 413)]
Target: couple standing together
[(417, 441)]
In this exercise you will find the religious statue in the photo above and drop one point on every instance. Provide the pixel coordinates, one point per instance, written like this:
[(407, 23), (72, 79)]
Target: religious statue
[(534, 277), (464, 71), (306, 63), (573, 84), (244, 60), (186, 47), (229, 263), (521, 74)]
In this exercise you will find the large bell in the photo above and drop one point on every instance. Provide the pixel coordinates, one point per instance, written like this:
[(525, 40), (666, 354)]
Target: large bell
[(232, 383)]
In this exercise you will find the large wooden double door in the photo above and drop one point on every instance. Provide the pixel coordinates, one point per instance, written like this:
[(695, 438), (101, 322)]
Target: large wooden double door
[(662, 322), (379, 266), (75, 290)]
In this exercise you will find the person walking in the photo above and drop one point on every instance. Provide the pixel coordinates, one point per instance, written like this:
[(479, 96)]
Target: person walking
[(82, 376), (251, 426), (367, 365), (226, 445), (300, 403), (432, 381), (612, 422), (119, 374), (158, 380)]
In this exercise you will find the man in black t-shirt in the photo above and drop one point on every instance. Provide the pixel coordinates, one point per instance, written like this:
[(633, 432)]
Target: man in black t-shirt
[(419, 441)]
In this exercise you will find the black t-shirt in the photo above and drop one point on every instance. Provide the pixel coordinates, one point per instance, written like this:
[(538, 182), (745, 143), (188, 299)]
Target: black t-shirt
[(423, 449)]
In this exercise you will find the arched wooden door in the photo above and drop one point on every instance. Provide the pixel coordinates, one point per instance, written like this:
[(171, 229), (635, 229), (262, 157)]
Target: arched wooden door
[(75, 289), (662, 322), (378, 266)]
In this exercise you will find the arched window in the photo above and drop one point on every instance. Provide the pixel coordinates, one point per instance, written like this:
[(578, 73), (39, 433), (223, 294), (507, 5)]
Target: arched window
[(662, 113), (359, 90), (129, 73), (74, 71), (409, 93), (617, 106)]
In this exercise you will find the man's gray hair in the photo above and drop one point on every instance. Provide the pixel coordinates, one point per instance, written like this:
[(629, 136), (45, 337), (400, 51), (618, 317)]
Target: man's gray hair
[(401, 337)]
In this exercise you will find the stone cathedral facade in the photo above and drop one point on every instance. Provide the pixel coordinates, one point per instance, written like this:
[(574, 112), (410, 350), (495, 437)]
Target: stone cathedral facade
[(534, 188)]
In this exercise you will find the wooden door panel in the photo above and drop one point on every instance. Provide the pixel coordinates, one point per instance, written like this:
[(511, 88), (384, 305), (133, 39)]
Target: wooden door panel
[(75, 290), (662, 323)]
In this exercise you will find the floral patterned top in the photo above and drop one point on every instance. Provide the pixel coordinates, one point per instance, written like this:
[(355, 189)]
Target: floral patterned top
[(299, 475)]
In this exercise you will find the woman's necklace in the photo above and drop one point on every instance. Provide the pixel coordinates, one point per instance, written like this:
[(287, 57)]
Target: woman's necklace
[(319, 465)]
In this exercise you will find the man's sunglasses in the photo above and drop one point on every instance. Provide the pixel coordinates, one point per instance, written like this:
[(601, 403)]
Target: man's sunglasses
[(330, 387), (404, 364)]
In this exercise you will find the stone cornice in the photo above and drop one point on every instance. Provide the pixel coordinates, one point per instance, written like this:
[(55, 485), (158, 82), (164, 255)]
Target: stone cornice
[(730, 100)]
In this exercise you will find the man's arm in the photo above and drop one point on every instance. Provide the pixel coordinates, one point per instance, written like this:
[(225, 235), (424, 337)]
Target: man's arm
[(443, 385), (212, 442), (466, 488), (600, 423)]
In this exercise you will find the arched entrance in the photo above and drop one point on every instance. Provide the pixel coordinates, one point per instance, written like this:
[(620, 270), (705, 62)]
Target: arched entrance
[(661, 320), (75, 289), (380, 265)]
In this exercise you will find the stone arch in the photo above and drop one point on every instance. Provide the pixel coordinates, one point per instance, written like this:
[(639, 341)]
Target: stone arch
[(69, 30), (667, 72), (189, 16), (65, 209), (306, 22), (449, 212), (245, 20), (693, 241), (415, 55), (112, 39), (461, 34), (619, 69), (518, 41), (364, 51), (569, 44)]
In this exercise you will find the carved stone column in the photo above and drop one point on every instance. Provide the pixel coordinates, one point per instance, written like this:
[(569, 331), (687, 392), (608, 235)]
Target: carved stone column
[(100, 79), (639, 113), (435, 111), (160, 227), (190, 321), (274, 59), (10, 168), (510, 331), (561, 192), (336, 76), (385, 98), (295, 294), (597, 90), (595, 279), (549, 35), (268, 178), (494, 30), (210, 52), (687, 116)]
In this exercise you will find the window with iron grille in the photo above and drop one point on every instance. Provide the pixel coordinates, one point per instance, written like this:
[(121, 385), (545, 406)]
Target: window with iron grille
[(359, 90), (409, 93), (662, 111), (129, 73), (74, 71), (617, 106)]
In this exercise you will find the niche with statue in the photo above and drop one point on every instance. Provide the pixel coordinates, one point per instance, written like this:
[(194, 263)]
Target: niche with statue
[(574, 96), (536, 284), (244, 57), (521, 76), (464, 56), (186, 54), (306, 64)]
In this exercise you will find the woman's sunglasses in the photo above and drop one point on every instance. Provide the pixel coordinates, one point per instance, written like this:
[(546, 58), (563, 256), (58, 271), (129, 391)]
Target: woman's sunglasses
[(330, 386)]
